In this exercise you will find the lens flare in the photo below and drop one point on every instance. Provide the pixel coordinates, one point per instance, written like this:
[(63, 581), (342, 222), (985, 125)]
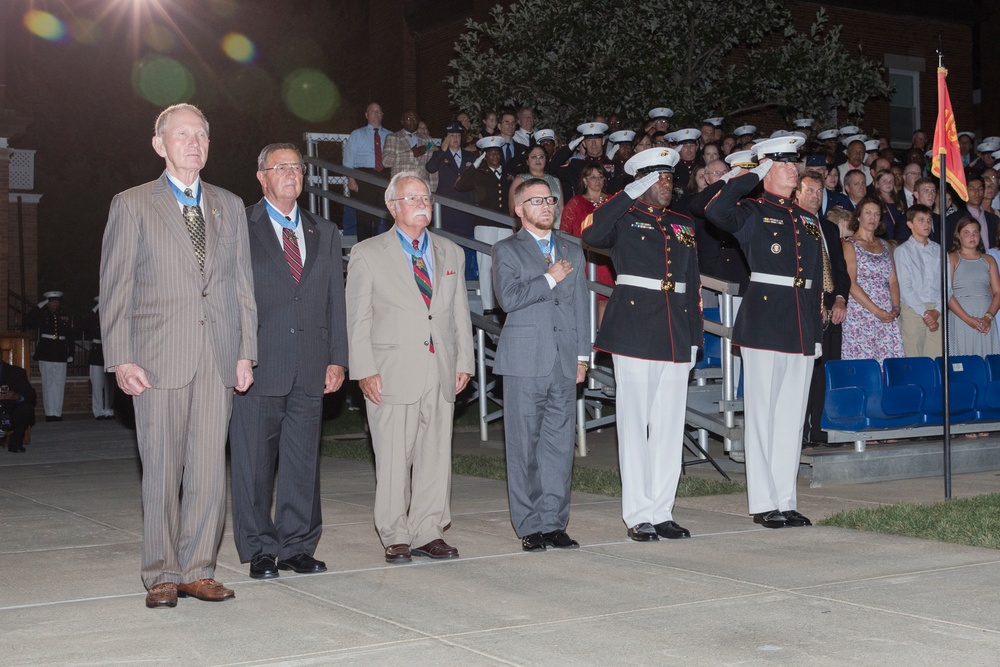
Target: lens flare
[(84, 31), (239, 47), (159, 38), (44, 25), (311, 95), (162, 81)]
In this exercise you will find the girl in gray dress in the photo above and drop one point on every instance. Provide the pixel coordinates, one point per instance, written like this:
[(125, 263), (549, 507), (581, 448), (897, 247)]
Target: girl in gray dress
[(975, 298)]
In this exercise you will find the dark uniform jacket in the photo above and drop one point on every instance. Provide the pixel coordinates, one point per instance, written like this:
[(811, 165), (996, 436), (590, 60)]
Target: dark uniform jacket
[(650, 242), (719, 253), (490, 191), (780, 239), (55, 336), (96, 355)]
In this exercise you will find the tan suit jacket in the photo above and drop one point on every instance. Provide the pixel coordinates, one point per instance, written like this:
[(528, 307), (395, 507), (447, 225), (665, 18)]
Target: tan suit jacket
[(155, 302), (390, 327)]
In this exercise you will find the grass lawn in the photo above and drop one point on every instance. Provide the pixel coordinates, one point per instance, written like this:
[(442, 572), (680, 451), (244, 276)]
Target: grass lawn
[(971, 521), (601, 481)]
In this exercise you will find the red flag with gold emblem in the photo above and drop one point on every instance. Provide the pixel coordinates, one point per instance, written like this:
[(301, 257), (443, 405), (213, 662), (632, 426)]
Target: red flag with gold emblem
[(946, 141)]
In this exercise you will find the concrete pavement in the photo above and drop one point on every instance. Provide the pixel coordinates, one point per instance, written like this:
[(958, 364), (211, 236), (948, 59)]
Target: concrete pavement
[(70, 594)]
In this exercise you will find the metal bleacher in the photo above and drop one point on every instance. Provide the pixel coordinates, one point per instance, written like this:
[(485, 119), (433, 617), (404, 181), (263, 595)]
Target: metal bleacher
[(712, 403)]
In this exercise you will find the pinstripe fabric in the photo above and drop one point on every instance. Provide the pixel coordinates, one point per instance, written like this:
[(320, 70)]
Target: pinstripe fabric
[(187, 329)]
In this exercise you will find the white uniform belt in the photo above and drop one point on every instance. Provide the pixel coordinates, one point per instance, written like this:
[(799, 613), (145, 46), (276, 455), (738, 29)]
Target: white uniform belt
[(783, 281), (97, 341), (651, 283), (52, 337)]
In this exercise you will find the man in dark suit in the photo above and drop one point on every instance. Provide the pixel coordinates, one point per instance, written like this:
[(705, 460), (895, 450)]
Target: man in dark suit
[(542, 355), (448, 163), (180, 333), (298, 274), (808, 195), (17, 404), (974, 209), (511, 150)]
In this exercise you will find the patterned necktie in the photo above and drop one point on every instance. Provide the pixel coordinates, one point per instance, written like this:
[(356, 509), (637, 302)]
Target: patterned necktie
[(378, 152), (423, 283), (292, 255), (827, 269), (196, 228), (421, 276)]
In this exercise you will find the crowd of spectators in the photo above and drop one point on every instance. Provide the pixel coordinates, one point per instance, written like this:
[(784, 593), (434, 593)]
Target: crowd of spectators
[(883, 201)]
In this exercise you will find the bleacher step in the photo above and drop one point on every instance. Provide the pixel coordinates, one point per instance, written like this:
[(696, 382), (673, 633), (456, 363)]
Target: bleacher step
[(900, 460)]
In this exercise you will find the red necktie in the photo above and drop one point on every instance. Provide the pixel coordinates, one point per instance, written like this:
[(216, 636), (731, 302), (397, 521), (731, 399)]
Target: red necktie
[(378, 152), (292, 256)]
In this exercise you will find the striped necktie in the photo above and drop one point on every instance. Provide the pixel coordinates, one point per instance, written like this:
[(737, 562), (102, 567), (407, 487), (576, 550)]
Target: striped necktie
[(423, 283), (292, 255)]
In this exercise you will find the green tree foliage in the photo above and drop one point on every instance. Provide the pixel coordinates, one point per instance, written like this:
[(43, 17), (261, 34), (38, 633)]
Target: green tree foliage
[(574, 59)]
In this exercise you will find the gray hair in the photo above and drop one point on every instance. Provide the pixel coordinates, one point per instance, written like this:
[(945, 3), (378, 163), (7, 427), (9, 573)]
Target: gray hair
[(270, 148), (390, 191), (161, 120)]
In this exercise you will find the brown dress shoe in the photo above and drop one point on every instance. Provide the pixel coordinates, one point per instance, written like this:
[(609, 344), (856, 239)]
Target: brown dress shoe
[(436, 549), (207, 590), (162, 595), (397, 553)]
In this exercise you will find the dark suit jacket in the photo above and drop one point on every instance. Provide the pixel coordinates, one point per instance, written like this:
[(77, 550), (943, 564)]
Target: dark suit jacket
[(302, 328), (443, 164), (15, 378), (834, 199), (841, 279), (952, 222)]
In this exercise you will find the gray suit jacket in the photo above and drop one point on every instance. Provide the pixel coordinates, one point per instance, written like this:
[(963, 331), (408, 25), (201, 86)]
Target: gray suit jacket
[(390, 326), (302, 328), (542, 324), (156, 304)]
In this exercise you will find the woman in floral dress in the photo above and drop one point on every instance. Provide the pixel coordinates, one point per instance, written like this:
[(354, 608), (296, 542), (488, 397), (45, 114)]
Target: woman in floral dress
[(871, 330)]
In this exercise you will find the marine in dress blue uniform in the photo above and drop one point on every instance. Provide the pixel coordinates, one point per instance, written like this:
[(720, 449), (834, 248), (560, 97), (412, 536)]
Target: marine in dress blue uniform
[(652, 327), (779, 328)]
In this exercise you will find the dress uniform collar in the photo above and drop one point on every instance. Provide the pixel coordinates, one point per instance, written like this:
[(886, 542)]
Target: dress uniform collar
[(649, 209), (778, 200)]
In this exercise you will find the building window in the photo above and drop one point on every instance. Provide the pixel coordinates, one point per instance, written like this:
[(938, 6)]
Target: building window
[(904, 106)]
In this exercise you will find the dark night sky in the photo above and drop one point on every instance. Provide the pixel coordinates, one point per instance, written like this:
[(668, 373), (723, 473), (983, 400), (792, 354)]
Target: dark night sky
[(94, 89)]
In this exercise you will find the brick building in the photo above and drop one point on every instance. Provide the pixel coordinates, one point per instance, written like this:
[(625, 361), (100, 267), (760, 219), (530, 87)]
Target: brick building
[(411, 41)]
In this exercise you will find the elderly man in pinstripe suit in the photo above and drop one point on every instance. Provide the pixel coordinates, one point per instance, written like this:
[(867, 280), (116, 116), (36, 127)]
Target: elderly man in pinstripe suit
[(180, 333)]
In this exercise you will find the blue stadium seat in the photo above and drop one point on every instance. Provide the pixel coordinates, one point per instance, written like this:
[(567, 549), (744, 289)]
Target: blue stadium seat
[(923, 372), (993, 366), (972, 369), (856, 399), (711, 354)]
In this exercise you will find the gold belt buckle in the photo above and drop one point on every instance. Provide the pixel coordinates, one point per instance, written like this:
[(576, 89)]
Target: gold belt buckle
[(667, 285), (799, 282)]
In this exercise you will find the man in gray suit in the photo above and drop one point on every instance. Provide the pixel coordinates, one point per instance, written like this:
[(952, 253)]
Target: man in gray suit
[(542, 356), (180, 333), (411, 351), (298, 275)]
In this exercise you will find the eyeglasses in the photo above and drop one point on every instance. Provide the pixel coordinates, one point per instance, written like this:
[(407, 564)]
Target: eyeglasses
[(294, 167), (716, 172), (413, 200), (596, 177), (537, 157), (540, 201)]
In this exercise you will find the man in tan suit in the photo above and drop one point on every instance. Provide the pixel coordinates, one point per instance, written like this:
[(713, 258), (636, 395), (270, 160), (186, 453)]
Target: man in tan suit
[(411, 346), (180, 333)]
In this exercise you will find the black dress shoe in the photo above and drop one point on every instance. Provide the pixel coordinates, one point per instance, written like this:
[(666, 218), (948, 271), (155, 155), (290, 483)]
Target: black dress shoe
[(302, 563), (795, 520), (560, 540), (643, 532), (533, 542), (671, 531), (50, 418), (16, 450), (263, 566), (772, 519)]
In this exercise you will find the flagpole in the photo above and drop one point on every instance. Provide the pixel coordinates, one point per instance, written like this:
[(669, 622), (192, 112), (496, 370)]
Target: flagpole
[(945, 282)]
